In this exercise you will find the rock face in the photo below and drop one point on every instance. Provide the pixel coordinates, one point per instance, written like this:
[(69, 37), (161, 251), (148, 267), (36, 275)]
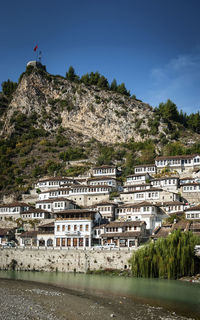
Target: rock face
[(54, 101)]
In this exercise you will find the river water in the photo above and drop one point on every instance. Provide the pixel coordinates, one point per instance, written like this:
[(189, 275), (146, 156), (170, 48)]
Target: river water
[(176, 296)]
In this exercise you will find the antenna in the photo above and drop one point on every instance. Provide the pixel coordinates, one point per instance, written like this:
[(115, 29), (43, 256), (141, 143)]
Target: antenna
[(40, 57)]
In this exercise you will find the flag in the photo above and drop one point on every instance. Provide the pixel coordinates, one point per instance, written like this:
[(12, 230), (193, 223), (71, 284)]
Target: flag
[(35, 48)]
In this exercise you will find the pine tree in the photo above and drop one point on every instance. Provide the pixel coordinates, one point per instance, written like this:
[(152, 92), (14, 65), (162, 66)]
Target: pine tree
[(71, 75), (113, 86), (102, 83), (85, 79), (122, 89)]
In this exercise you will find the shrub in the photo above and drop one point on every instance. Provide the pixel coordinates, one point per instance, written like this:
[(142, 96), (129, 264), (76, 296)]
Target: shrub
[(73, 154)]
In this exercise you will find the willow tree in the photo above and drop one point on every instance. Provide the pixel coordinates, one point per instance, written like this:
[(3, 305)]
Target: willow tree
[(170, 258)]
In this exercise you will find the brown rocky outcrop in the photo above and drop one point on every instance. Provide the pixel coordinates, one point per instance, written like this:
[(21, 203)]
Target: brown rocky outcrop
[(107, 116)]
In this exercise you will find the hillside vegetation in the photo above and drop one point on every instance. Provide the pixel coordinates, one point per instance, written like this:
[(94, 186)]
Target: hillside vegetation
[(47, 121)]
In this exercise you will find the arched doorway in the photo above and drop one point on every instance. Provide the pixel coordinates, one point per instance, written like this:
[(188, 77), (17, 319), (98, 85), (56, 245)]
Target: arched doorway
[(41, 243), (49, 243)]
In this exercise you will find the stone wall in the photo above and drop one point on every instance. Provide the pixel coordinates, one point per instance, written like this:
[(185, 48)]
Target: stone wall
[(89, 199), (191, 197), (63, 259)]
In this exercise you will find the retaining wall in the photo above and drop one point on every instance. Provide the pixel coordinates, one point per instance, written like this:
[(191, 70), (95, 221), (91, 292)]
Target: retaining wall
[(63, 259)]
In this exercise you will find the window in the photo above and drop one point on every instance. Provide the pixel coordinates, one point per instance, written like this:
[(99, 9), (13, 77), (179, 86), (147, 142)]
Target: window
[(87, 227), (63, 227), (69, 227), (81, 227), (75, 227), (58, 242), (80, 242), (87, 242), (58, 228)]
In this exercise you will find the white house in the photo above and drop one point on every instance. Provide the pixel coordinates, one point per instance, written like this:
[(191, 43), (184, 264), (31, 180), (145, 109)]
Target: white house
[(124, 233), (190, 187), (106, 209), (13, 209), (108, 181), (55, 204), (87, 195), (74, 228), (193, 213), (191, 192), (45, 235), (33, 213), (53, 182), (143, 211), (172, 206), (55, 193), (135, 187), (139, 178), (145, 168), (186, 180), (153, 195), (179, 163), (168, 183), (105, 170)]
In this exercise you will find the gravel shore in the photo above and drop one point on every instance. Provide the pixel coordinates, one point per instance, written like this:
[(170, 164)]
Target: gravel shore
[(21, 300)]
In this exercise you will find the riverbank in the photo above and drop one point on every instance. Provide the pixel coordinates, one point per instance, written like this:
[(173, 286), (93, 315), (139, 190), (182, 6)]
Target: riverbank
[(22, 300), (195, 278)]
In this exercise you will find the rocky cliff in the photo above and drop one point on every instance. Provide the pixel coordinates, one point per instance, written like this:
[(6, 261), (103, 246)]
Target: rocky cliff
[(54, 101)]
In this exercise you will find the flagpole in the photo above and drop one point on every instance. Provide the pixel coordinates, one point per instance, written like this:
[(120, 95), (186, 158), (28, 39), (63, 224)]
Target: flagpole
[(35, 50)]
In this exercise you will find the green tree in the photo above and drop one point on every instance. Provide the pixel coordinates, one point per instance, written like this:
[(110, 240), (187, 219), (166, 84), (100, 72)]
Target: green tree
[(168, 111), (194, 122), (170, 258), (113, 86), (94, 78), (86, 79), (102, 83), (71, 75), (122, 89), (174, 149), (8, 88)]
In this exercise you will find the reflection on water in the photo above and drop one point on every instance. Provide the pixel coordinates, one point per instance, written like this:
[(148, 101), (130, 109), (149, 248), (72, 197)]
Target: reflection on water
[(175, 295)]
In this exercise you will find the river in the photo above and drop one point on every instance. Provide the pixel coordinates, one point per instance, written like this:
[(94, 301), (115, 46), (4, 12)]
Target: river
[(180, 297)]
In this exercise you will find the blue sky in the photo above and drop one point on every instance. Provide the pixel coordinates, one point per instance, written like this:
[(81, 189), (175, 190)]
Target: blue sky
[(151, 45)]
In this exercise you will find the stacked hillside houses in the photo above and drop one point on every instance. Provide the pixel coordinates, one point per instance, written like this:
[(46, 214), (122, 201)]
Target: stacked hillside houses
[(99, 209)]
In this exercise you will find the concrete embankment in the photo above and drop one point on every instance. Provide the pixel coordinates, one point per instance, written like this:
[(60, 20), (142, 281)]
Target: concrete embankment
[(63, 259)]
